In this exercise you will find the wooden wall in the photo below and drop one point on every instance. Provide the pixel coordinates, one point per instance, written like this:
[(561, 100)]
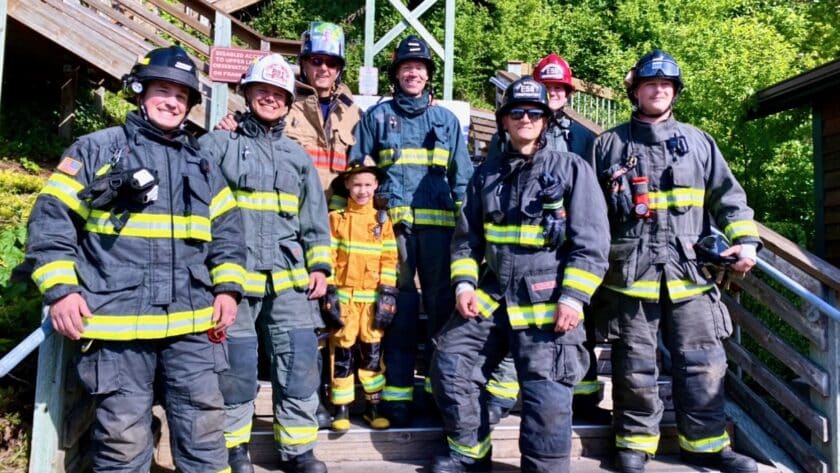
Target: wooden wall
[(828, 108)]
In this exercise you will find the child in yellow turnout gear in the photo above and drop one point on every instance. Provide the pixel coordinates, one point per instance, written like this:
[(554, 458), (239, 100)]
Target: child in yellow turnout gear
[(361, 298)]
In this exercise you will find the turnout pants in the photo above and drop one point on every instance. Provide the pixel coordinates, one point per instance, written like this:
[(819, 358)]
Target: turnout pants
[(549, 364), (288, 330), (423, 251), (239, 382), (692, 331), (120, 375), (503, 386), (358, 325)]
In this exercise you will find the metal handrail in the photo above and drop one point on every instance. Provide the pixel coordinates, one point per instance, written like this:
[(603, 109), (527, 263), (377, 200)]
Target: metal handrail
[(25, 347)]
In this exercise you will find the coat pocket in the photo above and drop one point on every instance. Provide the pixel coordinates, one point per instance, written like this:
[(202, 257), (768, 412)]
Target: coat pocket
[(111, 291), (287, 185), (622, 270)]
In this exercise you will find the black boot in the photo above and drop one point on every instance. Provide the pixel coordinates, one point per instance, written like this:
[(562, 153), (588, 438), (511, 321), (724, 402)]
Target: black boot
[(398, 413), (341, 420), (239, 460), (586, 411), (453, 463), (323, 416), (726, 460), (631, 461), (372, 415), (303, 463), (495, 413)]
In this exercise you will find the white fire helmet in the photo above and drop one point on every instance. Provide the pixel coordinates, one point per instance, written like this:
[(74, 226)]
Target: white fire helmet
[(271, 69)]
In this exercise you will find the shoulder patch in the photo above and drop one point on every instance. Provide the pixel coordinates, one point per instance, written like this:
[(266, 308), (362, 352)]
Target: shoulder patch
[(70, 166)]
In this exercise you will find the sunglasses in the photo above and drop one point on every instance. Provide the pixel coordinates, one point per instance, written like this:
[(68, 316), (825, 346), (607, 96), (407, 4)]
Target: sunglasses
[(319, 61), (533, 113)]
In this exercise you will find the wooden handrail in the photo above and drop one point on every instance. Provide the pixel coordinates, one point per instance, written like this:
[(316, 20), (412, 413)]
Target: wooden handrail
[(808, 262)]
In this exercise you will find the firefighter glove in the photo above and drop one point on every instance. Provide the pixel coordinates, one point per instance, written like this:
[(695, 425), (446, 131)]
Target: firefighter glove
[(331, 309), (554, 229), (386, 307)]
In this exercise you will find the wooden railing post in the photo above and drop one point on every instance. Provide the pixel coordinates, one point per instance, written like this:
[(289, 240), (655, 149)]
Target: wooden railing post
[(219, 90), (3, 9), (829, 359)]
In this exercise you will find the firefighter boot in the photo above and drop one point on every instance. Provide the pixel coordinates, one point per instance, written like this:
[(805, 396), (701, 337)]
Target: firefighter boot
[(495, 413), (725, 460), (323, 416), (586, 411), (631, 461), (372, 415), (303, 463), (398, 413), (239, 460), (454, 463), (341, 420)]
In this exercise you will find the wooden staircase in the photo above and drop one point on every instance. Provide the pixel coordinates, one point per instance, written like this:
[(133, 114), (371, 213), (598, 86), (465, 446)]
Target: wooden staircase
[(364, 450), (109, 35)]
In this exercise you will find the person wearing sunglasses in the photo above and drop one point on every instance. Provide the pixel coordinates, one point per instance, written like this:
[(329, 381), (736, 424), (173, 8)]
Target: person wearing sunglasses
[(664, 181), (423, 155), (562, 134), (529, 212), (324, 116)]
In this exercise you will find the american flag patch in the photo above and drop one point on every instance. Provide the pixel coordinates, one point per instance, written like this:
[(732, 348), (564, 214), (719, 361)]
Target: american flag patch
[(70, 166)]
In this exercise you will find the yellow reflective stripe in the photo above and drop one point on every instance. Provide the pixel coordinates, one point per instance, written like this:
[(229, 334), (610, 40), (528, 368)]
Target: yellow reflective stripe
[(288, 278), (144, 327), (427, 385), (238, 436), (357, 248), (679, 197), (228, 272), (477, 451), (741, 228), (507, 389), (66, 189), (255, 283), (681, 289), (55, 272), (388, 276), (705, 445), (221, 203), (523, 235), (435, 217), (587, 387), (144, 225), (365, 296), (342, 395), (337, 202), (582, 280), (295, 435), (641, 289), (389, 245), (486, 304), (225, 470), (464, 267), (553, 205), (396, 393), (319, 254), (401, 214), (374, 384), (415, 156), (267, 201), (537, 315), (642, 443)]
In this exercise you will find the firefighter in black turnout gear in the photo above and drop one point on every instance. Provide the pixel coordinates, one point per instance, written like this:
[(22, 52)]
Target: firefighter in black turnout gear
[(664, 180), (529, 212)]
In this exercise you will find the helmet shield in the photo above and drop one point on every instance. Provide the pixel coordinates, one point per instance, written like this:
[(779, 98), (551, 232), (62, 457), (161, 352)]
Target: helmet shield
[(323, 38)]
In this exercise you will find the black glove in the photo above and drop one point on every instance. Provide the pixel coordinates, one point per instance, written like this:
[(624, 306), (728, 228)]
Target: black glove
[(386, 307), (331, 309), (139, 185), (554, 230), (552, 188), (620, 198)]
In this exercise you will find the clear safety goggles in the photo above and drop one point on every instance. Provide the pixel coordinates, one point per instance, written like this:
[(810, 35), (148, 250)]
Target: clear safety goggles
[(659, 68)]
